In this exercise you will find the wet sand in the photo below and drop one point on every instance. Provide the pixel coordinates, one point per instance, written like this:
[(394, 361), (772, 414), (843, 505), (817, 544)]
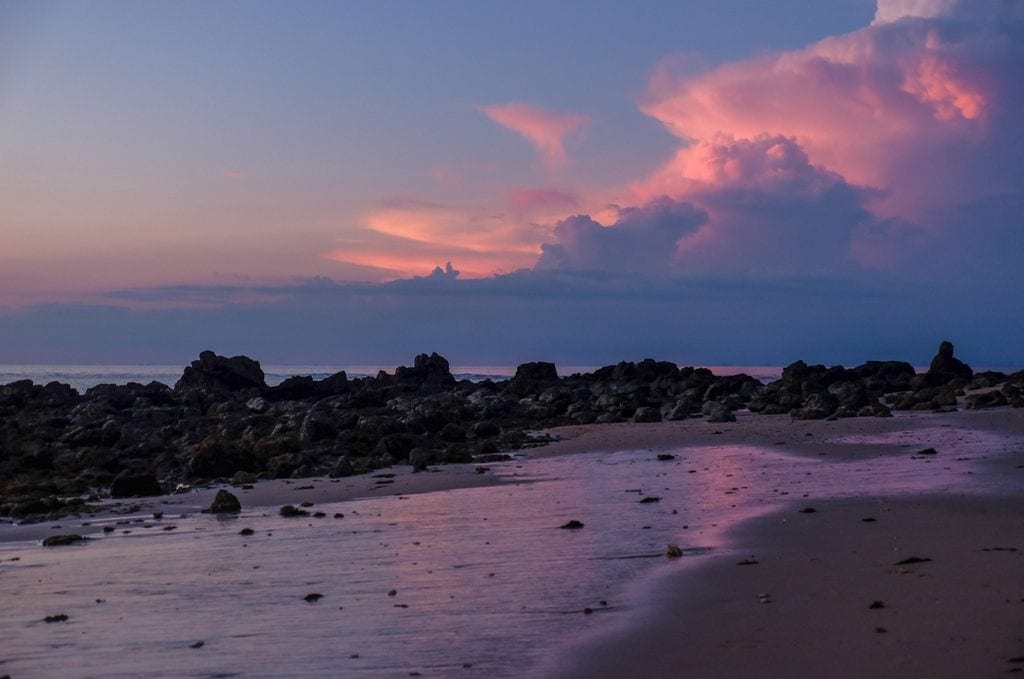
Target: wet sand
[(804, 609), (827, 595)]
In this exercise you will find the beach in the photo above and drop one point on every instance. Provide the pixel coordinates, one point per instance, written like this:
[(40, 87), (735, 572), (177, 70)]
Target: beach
[(828, 594), (732, 492)]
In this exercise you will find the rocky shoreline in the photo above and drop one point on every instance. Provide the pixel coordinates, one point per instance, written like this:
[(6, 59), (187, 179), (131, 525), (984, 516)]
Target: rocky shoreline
[(61, 450)]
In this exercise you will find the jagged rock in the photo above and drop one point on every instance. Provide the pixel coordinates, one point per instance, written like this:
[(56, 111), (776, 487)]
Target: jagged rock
[(532, 377), (945, 368), (218, 373), (135, 484), (224, 503), (430, 371)]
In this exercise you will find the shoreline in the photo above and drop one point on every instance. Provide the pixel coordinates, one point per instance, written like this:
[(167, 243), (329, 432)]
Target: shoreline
[(829, 597), (807, 607), (702, 614)]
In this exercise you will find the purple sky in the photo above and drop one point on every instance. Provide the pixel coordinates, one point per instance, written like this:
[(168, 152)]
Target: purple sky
[(704, 182)]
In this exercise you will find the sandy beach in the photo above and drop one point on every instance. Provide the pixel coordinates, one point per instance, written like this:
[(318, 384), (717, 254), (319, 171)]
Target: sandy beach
[(820, 593), (824, 593)]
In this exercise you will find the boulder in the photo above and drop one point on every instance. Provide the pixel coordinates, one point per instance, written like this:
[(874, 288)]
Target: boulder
[(533, 378), (135, 484), (218, 373), (430, 371), (224, 503), (647, 414), (718, 412), (945, 368)]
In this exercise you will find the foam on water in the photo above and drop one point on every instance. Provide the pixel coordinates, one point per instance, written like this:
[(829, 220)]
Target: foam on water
[(485, 581)]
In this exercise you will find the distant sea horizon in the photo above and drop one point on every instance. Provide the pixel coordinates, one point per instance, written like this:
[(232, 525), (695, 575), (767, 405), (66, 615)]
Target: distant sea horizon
[(84, 376)]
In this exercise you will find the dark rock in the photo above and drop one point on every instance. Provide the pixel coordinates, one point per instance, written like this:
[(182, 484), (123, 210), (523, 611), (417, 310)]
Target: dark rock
[(912, 560), (718, 412), (927, 451), (572, 525), (198, 644), (427, 372), (215, 457), (945, 368), (665, 457), (650, 499), (875, 605), (218, 373), (291, 511), (532, 378), (135, 484), (991, 399), (246, 531), (808, 510), (224, 503), (60, 617), (748, 562), (647, 414), (62, 540), (342, 468)]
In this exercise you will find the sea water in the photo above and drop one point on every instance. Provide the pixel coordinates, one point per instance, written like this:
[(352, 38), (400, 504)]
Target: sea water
[(82, 377), (477, 582)]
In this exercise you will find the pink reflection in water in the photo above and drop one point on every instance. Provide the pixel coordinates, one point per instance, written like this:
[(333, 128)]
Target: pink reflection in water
[(485, 581)]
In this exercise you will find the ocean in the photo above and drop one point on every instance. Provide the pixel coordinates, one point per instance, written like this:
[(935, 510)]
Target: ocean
[(82, 377)]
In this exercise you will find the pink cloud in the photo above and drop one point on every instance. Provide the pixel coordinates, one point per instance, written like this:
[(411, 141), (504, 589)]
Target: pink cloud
[(411, 237), (543, 198), (544, 129), (886, 106)]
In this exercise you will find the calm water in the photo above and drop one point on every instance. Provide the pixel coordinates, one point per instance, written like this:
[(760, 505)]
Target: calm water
[(485, 582), (81, 377)]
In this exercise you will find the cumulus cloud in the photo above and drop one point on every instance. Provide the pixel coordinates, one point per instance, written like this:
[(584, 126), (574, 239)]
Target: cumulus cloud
[(751, 205), (643, 240), (544, 129), (923, 104)]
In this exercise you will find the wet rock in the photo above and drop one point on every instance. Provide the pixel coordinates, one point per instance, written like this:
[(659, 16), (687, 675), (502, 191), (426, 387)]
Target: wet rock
[(665, 457), (649, 500), (246, 531), (572, 525), (927, 451), (291, 511), (224, 502), (673, 551), (135, 484), (63, 540), (59, 617), (313, 597)]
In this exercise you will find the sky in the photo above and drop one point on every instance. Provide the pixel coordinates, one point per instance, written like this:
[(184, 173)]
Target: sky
[(710, 181)]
